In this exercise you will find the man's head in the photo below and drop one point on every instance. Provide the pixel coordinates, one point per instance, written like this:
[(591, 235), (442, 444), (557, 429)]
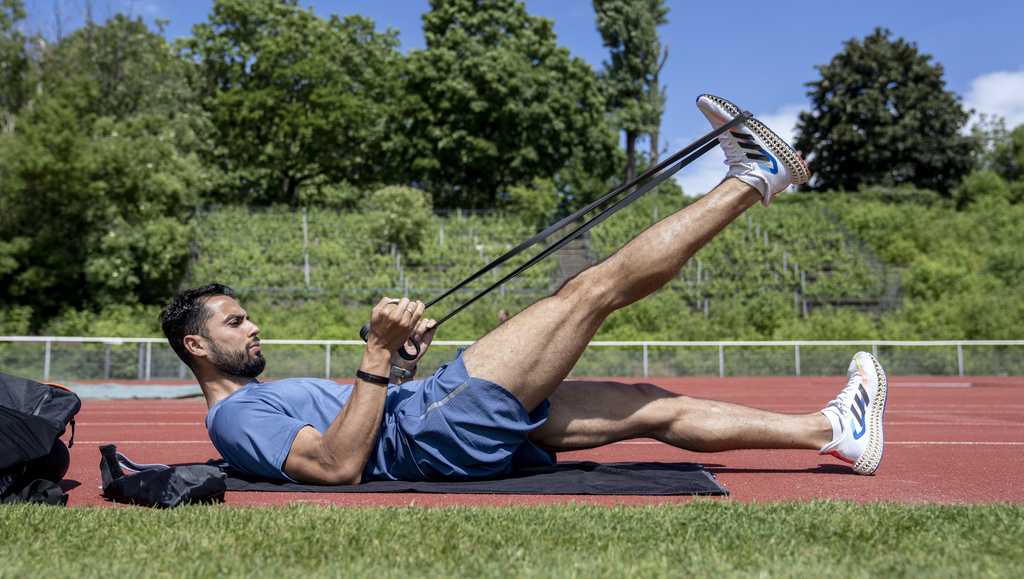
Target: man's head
[(208, 328)]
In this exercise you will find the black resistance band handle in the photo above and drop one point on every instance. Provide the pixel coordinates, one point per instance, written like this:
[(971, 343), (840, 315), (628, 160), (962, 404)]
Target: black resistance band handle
[(364, 333)]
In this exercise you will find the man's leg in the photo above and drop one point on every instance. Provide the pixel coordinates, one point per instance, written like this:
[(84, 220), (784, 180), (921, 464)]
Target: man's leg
[(591, 414), (534, 351)]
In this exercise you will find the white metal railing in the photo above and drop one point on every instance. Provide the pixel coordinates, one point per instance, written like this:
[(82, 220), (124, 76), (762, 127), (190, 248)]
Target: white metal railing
[(152, 358)]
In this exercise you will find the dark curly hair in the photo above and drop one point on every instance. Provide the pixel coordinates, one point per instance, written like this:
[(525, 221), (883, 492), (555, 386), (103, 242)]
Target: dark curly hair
[(187, 315)]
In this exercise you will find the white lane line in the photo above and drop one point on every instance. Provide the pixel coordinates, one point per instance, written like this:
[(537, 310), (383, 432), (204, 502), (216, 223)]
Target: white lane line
[(948, 424), (896, 443), (132, 411), (932, 384), (95, 424), (954, 443), (632, 442), (97, 442)]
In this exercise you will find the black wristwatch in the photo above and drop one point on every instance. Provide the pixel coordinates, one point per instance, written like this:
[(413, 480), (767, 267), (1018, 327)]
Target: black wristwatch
[(401, 374)]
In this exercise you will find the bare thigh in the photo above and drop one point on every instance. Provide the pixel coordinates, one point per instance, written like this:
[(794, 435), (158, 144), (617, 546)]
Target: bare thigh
[(587, 414), (532, 353)]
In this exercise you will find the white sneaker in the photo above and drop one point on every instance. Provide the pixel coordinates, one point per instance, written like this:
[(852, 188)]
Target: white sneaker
[(754, 153), (856, 416)]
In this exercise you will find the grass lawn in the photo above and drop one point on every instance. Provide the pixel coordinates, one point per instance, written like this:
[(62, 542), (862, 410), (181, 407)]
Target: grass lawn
[(702, 538)]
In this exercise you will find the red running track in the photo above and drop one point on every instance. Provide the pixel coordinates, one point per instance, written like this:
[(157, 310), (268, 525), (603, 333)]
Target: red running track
[(948, 440)]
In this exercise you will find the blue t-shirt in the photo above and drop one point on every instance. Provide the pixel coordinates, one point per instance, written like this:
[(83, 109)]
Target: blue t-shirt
[(255, 426), (449, 425)]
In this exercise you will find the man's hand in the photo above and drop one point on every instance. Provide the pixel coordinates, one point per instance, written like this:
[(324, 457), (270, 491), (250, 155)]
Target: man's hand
[(422, 335), (393, 321)]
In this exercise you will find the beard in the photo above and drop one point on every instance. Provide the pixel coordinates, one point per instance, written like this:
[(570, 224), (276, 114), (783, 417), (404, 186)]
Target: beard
[(237, 363)]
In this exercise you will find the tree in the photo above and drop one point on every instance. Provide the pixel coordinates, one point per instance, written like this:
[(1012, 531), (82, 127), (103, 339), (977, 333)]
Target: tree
[(1008, 155), (296, 100), (14, 62), (880, 114), (629, 29), (493, 102), (100, 174)]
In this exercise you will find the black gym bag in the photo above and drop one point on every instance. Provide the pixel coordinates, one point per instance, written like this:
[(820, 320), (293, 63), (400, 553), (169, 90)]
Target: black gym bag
[(33, 459), (159, 485)]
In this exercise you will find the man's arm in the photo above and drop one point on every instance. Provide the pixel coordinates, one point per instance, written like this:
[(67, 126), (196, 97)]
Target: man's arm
[(339, 455)]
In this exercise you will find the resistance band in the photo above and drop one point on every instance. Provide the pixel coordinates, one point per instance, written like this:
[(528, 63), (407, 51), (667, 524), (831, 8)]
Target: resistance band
[(673, 163)]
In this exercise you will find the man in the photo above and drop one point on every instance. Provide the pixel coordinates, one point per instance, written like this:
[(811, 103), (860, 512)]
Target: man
[(504, 402)]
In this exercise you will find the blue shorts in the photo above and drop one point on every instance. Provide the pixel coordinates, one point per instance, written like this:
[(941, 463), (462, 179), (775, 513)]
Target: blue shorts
[(454, 426)]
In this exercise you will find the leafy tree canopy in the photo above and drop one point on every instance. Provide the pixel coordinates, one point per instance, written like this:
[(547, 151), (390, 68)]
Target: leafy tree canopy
[(881, 114), (100, 174), (14, 60), (296, 100), (1008, 155), (629, 29), (493, 101)]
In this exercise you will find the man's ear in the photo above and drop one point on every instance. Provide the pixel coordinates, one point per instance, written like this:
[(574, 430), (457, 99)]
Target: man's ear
[(195, 345)]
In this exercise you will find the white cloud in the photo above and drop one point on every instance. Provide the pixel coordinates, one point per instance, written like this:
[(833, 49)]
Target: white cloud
[(998, 93), (705, 173)]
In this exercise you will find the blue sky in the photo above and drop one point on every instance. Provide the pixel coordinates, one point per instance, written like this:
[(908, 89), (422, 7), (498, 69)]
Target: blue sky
[(757, 54)]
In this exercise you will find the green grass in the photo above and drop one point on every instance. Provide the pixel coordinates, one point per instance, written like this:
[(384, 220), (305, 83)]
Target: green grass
[(703, 538)]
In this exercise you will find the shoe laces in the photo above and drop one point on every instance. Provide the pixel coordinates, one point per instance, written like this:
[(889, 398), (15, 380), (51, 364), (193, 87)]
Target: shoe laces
[(844, 399)]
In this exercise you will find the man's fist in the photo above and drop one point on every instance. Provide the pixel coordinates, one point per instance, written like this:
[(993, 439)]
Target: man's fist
[(393, 321)]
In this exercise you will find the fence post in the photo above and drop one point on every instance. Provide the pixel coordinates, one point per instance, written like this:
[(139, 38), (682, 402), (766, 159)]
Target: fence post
[(46, 361), (721, 360), (305, 247), (645, 359), (149, 360), (796, 354), (106, 361), (327, 361), (960, 358), (140, 366)]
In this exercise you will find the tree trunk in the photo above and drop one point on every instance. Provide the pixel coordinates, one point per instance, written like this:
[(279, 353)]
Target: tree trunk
[(630, 155), (655, 95), (290, 188), (654, 147)]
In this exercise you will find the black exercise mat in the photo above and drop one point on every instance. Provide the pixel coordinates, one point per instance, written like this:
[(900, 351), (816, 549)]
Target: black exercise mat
[(567, 478)]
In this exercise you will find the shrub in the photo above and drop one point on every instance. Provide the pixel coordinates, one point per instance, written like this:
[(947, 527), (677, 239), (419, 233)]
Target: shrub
[(400, 214), (981, 185)]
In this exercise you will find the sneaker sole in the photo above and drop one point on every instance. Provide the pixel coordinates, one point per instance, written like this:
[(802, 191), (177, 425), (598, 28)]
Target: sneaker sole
[(869, 461), (794, 164)]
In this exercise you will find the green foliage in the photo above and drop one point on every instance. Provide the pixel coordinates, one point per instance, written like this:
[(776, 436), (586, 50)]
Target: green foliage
[(14, 61), (629, 30), (493, 102), (978, 185), (534, 204), (15, 320), (399, 215), (1008, 155), (114, 320), (295, 98), (953, 289), (881, 115), (830, 323), (100, 174)]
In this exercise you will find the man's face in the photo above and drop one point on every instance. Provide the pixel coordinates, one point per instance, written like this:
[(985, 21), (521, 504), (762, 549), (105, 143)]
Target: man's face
[(232, 339)]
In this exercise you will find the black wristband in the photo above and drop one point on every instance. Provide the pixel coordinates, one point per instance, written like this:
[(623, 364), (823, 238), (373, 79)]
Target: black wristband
[(372, 378)]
